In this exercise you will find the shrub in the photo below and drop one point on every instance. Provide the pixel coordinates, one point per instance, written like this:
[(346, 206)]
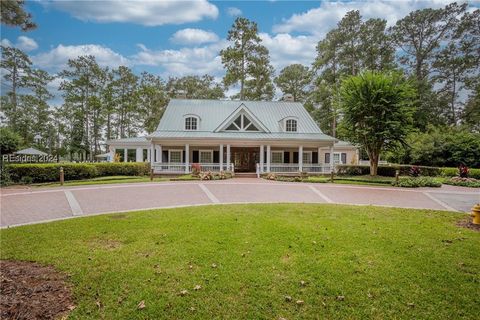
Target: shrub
[(463, 182), (415, 171), (408, 182), (50, 172), (452, 172), (205, 175), (386, 171), (463, 171), (122, 168)]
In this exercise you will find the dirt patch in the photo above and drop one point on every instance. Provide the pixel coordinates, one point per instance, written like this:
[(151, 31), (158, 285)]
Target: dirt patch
[(118, 216), (105, 244), (33, 291), (467, 223)]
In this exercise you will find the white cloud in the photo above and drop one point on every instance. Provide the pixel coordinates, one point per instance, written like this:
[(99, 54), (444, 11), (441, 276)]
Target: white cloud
[(26, 43), (185, 61), (57, 58), (23, 43), (233, 11), (144, 12), (319, 21), (193, 36), (286, 49), (6, 43)]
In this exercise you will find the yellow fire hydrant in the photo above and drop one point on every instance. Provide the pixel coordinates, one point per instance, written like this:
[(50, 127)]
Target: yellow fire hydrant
[(476, 214)]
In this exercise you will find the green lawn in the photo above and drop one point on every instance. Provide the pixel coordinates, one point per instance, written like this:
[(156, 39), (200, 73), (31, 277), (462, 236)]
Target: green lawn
[(386, 263)]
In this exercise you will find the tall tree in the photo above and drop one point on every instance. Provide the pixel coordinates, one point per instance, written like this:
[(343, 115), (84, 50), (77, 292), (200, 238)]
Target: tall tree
[(153, 99), (420, 35), (17, 66), (13, 14), (82, 87), (247, 62), (295, 80), (353, 46), (125, 85), (195, 87), (377, 112)]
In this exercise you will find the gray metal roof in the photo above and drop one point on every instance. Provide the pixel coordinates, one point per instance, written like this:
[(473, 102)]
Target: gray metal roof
[(32, 152), (212, 114)]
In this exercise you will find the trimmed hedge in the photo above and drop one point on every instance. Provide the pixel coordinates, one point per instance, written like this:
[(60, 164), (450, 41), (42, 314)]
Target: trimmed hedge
[(49, 172), (389, 171), (408, 182)]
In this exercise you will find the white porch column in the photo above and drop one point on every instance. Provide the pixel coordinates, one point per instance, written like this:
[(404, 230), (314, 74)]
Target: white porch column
[(300, 158), (139, 155), (262, 156), (331, 158), (112, 154), (220, 157), (187, 157), (357, 157), (148, 154), (228, 157), (158, 154), (269, 155), (319, 159), (125, 155), (151, 154)]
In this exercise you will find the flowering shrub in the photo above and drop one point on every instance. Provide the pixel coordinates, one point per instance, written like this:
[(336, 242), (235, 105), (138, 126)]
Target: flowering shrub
[(463, 171), (415, 171), (271, 176), (196, 168), (463, 182), (205, 175)]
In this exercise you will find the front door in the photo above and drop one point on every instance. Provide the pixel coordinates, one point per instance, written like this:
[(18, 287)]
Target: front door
[(245, 159)]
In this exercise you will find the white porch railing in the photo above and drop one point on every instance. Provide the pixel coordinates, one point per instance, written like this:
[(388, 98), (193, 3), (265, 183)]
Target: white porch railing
[(294, 167), (166, 167)]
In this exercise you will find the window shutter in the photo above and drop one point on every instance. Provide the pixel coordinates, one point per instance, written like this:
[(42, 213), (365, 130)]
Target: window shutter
[(216, 156), (327, 157), (314, 157), (295, 157), (195, 158), (286, 157), (344, 158), (164, 156), (183, 156)]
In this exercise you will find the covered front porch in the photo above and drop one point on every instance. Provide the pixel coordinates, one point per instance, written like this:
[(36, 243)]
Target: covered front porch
[(167, 157)]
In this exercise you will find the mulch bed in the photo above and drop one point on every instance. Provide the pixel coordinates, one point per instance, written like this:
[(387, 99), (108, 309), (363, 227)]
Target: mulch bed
[(467, 223), (32, 291)]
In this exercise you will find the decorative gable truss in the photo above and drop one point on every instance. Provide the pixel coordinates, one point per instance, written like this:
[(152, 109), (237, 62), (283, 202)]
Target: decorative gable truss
[(243, 120)]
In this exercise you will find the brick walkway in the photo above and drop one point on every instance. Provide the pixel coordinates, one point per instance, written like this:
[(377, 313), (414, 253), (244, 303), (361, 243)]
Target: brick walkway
[(25, 206)]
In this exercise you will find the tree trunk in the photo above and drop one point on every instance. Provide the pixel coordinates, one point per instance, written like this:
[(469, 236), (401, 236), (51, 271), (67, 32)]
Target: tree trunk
[(373, 156)]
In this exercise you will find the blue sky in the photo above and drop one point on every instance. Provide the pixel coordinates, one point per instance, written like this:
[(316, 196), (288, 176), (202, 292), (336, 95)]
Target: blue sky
[(175, 38)]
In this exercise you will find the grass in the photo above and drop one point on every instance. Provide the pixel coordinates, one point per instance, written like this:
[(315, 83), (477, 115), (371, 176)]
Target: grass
[(114, 179), (387, 263)]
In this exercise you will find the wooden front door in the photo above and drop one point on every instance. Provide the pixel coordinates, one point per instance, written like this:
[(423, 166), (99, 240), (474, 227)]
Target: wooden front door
[(245, 159)]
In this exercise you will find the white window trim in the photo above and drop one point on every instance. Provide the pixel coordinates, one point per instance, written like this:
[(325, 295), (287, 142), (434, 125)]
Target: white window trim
[(277, 151), (206, 151), (339, 157), (170, 155), (185, 117), (242, 128), (285, 123), (311, 157)]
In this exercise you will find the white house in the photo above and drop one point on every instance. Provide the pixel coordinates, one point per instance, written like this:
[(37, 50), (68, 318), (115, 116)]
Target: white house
[(243, 136)]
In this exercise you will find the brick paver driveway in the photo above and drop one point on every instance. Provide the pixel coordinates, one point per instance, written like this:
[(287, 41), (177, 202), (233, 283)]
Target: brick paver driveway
[(24, 206)]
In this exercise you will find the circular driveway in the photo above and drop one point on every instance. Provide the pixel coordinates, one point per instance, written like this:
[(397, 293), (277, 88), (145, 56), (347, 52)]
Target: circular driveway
[(26, 206)]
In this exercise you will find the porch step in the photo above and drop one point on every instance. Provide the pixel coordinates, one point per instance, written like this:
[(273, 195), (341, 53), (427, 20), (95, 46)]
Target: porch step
[(245, 175)]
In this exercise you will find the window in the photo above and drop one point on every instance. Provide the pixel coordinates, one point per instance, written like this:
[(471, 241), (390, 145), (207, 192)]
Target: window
[(206, 156), (191, 123), (336, 158), (277, 156), (175, 156), (291, 125), (307, 157), (242, 123)]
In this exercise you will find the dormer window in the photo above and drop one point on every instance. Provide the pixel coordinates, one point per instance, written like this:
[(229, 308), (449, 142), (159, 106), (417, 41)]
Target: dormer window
[(191, 123), (291, 125)]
